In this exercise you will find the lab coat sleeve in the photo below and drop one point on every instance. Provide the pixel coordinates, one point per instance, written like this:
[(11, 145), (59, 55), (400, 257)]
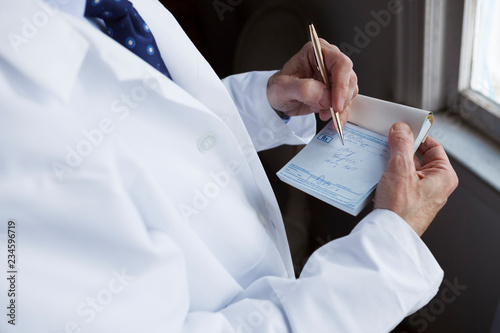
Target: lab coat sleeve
[(266, 128), (367, 281)]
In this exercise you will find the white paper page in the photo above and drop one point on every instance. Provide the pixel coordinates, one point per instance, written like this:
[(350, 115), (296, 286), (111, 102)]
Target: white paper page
[(340, 175), (378, 115)]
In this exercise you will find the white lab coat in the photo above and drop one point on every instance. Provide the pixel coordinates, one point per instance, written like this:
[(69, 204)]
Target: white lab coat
[(141, 206)]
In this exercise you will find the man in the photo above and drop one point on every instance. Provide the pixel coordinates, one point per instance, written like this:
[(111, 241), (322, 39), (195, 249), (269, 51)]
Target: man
[(138, 203)]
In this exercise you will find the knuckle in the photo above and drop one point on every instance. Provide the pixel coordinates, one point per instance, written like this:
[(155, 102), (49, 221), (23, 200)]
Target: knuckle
[(400, 142), (278, 79), (324, 42), (344, 87), (449, 179), (348, 62), (401, 139), (306, 87), (308, 90), (345, 61), (356, 91), (331, 48), (401, 162), (454, 181), (441, 202), (335, 49), (307, 47), (286, 79), (279, 83), (354, 78)]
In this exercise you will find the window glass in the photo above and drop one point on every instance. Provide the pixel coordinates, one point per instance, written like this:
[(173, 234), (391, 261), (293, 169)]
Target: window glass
[(485, 77)]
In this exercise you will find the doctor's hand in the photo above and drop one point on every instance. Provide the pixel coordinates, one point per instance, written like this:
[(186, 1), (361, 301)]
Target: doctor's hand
[(415, 190), (297, 89)]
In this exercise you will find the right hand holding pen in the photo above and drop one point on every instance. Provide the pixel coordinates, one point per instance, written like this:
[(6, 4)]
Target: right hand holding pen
[(414, 190), (297, 89)]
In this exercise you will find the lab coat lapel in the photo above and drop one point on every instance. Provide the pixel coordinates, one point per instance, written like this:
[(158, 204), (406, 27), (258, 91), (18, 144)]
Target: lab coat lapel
[(129, 67), (24, 48), (28, 27)]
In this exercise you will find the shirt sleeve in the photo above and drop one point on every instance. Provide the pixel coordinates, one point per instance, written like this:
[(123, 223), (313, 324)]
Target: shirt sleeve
[(266, 128)]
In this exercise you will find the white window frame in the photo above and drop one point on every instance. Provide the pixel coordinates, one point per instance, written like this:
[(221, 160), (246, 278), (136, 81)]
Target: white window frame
[(435, 43), (478, 110)]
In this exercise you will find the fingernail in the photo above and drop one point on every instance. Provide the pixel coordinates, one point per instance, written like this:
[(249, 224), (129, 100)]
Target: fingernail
[(401, 127)]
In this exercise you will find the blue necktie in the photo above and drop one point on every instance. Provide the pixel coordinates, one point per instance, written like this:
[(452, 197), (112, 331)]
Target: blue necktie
[(126, 26)]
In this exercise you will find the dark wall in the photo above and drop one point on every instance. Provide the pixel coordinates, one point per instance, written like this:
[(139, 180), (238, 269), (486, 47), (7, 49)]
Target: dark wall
[(464, 238), (216, 32)]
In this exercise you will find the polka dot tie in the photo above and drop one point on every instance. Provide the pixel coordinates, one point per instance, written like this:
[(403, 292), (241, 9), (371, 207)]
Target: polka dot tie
[(126, 26)]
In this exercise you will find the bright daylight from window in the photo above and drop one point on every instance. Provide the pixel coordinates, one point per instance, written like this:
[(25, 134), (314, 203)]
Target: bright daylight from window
[(485, 77)]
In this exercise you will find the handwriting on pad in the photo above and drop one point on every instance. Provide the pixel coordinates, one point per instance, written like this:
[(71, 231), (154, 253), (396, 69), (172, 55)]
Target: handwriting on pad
[(343, 176)]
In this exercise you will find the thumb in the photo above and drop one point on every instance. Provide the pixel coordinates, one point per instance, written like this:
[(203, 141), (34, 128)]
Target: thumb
[(401, 147)]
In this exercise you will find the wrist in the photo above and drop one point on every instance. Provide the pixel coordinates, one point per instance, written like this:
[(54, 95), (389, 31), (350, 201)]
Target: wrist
[(280, 114)]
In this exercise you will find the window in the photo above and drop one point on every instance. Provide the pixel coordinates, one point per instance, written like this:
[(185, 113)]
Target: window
[(485, 73), (479, 82), (449, 59)]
